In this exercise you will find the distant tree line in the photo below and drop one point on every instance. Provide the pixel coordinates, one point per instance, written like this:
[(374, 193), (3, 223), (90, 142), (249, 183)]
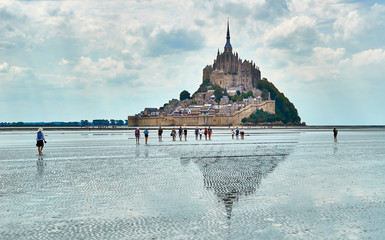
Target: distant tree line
[(82, 123)]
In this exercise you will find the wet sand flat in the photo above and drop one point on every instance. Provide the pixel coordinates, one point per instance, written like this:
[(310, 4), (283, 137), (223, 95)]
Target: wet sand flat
[(274, 184)]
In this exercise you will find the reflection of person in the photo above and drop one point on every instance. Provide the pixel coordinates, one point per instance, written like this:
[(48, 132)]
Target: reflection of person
[(335, 132), (146, 135), (40, 165), (137, 151), (40, 140), (137, 135), (160, 132)]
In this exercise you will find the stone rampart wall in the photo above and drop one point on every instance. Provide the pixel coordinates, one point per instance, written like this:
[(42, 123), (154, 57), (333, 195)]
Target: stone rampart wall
[(203, 120)]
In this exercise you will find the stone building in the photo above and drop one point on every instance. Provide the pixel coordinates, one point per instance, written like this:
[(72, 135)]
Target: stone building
[(230, 72)]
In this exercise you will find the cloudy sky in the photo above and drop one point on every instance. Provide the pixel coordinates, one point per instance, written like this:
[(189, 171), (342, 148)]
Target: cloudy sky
[(91, 59)]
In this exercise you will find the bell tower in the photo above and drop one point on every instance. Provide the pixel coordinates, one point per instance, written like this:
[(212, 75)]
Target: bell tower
[(228, 47)]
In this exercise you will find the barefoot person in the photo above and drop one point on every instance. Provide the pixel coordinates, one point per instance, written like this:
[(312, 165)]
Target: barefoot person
[(210, 131), (40, 140), (146, 135), (242, 133), (173, 134), (180, 132), (185, 133), (160, 132), (335, 132), (196, 133), (137, 135)]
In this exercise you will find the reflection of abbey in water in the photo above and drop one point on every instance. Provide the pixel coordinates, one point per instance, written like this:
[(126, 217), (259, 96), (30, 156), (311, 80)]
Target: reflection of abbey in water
[(232, 177)]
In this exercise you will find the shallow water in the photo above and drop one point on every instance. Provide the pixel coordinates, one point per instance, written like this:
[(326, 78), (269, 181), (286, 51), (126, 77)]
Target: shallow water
[(274, 184)]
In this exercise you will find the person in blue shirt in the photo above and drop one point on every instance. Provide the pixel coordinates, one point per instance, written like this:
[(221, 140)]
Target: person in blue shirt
[(40, 140), (180, 133), (146, 135)]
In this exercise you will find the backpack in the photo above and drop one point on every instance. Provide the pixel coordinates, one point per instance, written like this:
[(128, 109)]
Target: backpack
[(136, 132), (39, 135)]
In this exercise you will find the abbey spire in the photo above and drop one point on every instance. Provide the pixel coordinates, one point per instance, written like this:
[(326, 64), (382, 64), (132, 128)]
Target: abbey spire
[(228, 47)]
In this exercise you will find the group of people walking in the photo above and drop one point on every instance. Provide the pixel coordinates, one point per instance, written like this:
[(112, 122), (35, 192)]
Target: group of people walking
[(199, 133), (238, 132), (207, 132)]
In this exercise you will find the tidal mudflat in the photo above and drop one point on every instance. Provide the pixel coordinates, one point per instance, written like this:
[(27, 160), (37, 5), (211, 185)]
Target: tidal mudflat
[(274, 184)]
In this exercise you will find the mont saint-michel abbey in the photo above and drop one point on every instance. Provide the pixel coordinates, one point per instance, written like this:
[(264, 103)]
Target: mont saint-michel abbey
[(229, 72), (205, 107)]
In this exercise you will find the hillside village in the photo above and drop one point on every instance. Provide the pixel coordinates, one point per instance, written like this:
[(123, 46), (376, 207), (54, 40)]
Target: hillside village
[(203, 103)]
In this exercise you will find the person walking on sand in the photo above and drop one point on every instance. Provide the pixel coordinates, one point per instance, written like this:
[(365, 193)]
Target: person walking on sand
[(242, 133), (200, 134), (237, 133), (137, 135), (180, 133), (146, 135), (232, 133), (173, 134), (40, 140), (335, 132), (160, 132), (210, 131), (185, 133), (205, 132), (196, 133)]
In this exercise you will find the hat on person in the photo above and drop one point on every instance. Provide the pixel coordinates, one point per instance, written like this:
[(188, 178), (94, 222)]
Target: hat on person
[(40, 129)]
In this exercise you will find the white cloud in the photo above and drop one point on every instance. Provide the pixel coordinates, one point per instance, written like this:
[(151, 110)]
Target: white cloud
[(107, 67), (63, 62), (18, 70), (368, 57), (297, 34), (4, 67), (348, 25), (327, 55)]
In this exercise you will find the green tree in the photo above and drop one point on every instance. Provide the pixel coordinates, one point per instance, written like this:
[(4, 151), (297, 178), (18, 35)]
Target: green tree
[(284, 109), (203, 87), (218, 93), (184, 95), (265, 94)]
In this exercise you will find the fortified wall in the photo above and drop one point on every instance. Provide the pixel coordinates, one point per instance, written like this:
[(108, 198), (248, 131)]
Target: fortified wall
[(203, 120)]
